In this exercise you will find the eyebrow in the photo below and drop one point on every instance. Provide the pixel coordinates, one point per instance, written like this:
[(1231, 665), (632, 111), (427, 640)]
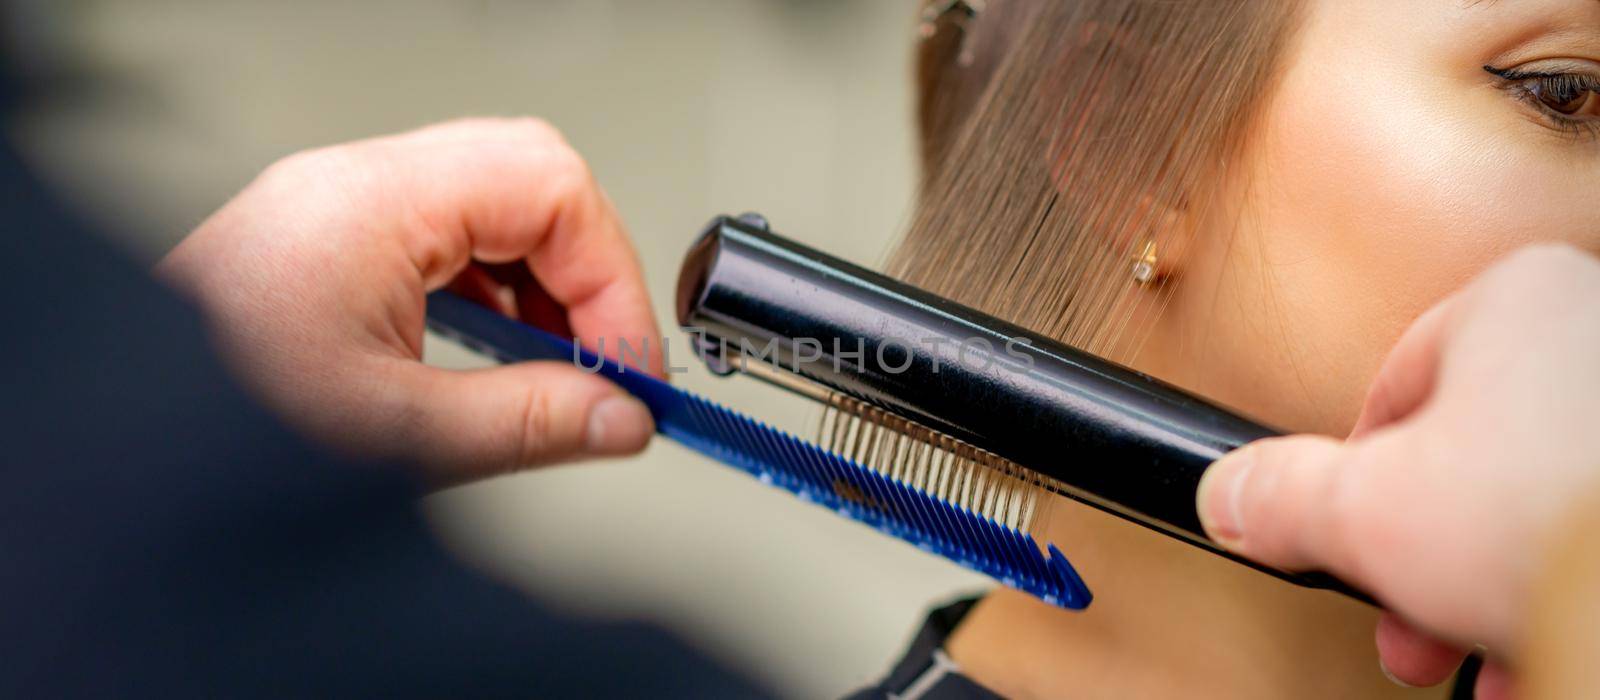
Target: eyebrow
[(1475, 3)]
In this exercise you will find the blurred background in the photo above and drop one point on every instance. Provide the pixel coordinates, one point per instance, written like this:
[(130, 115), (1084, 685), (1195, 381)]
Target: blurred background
[(151, 113)]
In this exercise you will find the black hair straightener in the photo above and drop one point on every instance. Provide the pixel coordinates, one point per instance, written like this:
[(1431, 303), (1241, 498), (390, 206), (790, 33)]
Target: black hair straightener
[(942, 425)]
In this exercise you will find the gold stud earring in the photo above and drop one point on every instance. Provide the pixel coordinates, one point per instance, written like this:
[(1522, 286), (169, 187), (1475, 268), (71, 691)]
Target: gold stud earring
[(1144, 266)]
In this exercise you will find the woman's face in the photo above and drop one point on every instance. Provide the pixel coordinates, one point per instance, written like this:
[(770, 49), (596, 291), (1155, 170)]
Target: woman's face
[(1387, 169)]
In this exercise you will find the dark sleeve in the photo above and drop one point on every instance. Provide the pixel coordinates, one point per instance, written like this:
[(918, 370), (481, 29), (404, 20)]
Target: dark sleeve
[(161, 536)]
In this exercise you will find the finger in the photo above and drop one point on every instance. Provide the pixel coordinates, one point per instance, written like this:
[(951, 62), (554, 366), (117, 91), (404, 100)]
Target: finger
[(1494, 682), (479, 285), (1269, 501), (478, 423), (1411, 658), (1406, 378), (534, 305), (506, 190)]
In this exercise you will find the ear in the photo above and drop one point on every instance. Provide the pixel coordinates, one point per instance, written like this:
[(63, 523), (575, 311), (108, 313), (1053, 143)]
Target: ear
[(1155, 240)]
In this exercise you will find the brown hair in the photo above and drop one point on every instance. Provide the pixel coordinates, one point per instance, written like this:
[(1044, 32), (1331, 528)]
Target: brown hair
[(1057, 134)]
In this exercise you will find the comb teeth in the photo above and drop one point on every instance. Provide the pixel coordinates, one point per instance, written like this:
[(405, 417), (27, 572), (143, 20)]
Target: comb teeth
[(936, 464), (1005, 553), (884, 501)]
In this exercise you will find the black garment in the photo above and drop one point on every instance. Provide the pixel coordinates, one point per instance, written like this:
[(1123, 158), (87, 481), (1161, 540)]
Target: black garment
[(924, 673), (163, 537)]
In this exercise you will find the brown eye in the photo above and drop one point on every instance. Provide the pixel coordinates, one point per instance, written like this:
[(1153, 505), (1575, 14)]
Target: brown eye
[(1567, 95)]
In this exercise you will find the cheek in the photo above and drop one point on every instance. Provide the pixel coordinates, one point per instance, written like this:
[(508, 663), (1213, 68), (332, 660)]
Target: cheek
[(1368, 208)]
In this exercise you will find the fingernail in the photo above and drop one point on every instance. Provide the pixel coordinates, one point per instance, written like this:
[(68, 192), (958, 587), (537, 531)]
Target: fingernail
[(1390, 675), (619, 425), (1218, 497)]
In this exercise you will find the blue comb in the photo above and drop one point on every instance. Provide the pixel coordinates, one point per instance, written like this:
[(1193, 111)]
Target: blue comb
[(1008, 555)]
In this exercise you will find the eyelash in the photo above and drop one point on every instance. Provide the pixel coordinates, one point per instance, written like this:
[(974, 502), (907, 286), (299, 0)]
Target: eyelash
[(1529, 85)]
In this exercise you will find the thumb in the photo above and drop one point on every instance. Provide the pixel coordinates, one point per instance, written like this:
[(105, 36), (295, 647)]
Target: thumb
[(472, 424), (1406, 379), (1271, 501)]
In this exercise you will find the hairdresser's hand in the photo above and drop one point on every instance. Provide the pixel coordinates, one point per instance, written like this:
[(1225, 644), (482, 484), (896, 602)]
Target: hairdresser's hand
[(315, 277), (1477, 436)]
